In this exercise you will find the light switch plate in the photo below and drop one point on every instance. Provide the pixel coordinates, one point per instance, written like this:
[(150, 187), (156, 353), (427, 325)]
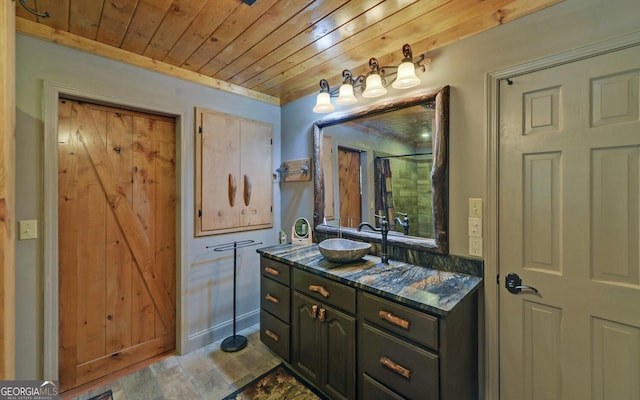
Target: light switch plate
[(28, 229), (475, 208), (475, 227)]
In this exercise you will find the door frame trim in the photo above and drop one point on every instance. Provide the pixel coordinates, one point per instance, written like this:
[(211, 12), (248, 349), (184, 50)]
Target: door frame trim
[(492, 267), (52, 91)]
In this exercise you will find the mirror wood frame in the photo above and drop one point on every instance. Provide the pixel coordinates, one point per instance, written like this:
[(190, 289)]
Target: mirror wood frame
[(439, 173)]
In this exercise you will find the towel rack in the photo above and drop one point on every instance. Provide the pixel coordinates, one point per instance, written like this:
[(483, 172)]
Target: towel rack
[(234, 342)]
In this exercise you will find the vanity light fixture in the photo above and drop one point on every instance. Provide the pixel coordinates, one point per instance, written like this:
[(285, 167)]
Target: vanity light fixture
[(373, 84)]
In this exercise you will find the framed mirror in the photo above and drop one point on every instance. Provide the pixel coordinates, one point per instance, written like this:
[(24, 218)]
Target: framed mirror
[(387, 134)]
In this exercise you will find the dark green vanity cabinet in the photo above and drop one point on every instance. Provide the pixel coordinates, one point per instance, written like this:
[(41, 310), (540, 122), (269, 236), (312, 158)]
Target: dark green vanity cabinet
[(357, 341), (323, 333), (275, 307)]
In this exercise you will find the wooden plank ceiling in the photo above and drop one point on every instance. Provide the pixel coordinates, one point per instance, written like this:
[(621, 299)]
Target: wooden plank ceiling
[(277, 48)]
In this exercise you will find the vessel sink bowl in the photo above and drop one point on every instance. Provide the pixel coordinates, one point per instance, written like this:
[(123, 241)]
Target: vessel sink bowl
[(343, 250)]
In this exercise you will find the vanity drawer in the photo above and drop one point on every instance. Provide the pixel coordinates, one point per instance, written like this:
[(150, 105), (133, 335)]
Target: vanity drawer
[(412, 324), (275, 270), (372, 389), (275, 298), (275, 334), (404, 368), (325, 290)]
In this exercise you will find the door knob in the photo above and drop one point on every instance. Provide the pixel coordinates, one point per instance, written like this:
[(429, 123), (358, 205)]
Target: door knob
[(514, 284)]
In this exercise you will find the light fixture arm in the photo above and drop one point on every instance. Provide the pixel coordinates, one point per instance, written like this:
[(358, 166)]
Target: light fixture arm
[(324, 86)]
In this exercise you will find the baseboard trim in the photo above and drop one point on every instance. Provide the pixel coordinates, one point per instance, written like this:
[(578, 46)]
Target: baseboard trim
[(221, 331)]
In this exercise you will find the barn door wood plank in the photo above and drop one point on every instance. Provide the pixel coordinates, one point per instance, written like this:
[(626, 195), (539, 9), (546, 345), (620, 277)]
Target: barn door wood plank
[(143, 206), (90, 268), (166, 206), (68, 147), (119, 259), (127, 219)]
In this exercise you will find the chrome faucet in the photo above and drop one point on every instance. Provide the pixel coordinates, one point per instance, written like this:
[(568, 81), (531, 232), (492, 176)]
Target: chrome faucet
[(404, 224), (384, 230)]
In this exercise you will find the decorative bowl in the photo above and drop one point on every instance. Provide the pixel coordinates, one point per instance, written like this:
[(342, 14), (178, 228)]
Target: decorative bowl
[(343, 250)]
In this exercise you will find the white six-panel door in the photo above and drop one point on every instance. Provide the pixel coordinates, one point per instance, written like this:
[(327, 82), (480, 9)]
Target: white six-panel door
[(569, 227)]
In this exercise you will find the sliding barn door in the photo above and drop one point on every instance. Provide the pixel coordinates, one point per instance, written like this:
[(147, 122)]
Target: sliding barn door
[(117, 227)]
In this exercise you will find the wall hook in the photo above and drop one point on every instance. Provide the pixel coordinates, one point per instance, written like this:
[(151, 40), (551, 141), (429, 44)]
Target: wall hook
[(34, 12), (509, 81)]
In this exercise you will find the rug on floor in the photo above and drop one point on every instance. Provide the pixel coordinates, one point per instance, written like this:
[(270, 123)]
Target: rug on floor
[(103, 396), (276, 384)]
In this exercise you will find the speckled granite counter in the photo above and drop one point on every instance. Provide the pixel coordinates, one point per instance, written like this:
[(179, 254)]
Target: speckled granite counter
[(422, 288)]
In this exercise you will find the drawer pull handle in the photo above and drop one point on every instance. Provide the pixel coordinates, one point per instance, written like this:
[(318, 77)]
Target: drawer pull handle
[(323, 315), (319, 289), (272, 271), (398, 369), (314, 311), (272, 299), (272, 335), (387, 316)]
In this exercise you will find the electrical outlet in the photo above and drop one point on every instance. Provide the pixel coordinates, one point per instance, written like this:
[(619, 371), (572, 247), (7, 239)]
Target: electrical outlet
[(475, 208), (475, 227), (475, 246)]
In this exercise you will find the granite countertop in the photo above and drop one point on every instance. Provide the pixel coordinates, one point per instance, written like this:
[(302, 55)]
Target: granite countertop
[(423, 288)]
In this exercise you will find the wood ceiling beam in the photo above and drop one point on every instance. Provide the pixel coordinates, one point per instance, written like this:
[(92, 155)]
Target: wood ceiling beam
[(67, 39)]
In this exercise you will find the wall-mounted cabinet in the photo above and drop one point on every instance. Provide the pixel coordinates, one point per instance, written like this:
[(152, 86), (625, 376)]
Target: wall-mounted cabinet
[(234, 159)]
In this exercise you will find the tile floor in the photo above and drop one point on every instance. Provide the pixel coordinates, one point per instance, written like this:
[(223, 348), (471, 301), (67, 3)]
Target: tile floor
[(207, 373)]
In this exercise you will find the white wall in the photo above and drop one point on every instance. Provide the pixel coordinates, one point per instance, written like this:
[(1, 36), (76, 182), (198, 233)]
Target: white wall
[(205, 304), (464, 66)]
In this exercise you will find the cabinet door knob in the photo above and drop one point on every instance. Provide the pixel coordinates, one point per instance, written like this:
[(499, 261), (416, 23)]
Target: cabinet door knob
[(319, 289), (272, 271), (314, 311), (323, 315), (397, 368), (272, 299), (387, 316)]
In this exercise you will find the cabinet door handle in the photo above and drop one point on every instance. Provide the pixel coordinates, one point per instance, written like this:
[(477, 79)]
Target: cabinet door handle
[(272, 271), (272, 299), (314, 311), (387, 316), (323, 315), (397, 368), (272, 335), (319, 289), (247, 190), (232, 190)]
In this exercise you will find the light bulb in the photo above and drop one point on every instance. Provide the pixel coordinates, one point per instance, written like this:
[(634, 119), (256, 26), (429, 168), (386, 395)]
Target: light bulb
[(374, 86), (406, 76), (346, 96), (323, 103)]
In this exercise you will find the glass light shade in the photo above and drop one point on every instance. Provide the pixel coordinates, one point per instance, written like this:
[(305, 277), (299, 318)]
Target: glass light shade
[(346, 96), (406, 76), (374, 86), (323, 103)]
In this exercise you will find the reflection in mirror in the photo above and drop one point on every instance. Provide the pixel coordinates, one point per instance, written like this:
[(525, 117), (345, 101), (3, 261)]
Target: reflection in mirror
[(390, 159), (403, 193)]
